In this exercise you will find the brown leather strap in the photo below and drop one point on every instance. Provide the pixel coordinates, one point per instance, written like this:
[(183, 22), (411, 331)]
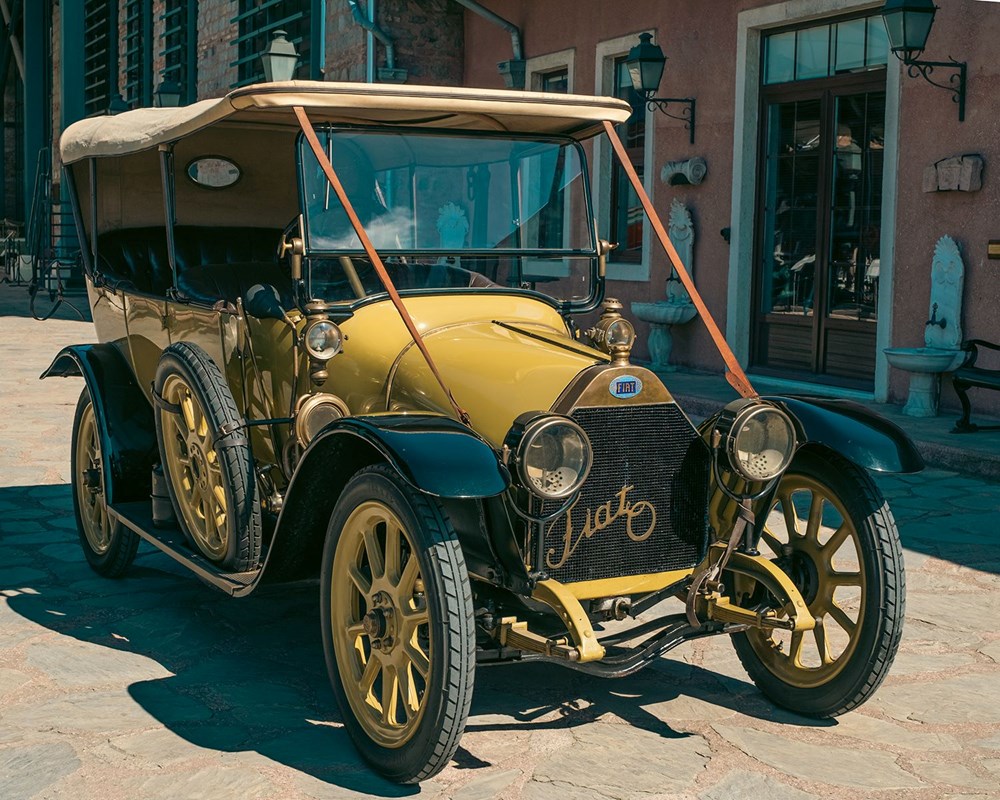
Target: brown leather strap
[(735, 375), (369, 248)]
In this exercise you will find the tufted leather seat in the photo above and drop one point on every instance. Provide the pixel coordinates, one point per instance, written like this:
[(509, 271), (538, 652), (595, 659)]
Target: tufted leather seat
[(212, 263)]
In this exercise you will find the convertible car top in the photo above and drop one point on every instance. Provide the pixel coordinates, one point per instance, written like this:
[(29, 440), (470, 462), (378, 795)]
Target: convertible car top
[(458, 108)]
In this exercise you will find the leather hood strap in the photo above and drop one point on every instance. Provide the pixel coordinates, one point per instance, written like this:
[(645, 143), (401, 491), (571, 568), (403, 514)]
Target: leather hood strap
[(735, 375), (369, 248)]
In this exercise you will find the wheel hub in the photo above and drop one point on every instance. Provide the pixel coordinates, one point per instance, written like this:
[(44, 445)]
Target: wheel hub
[(804, 574), (378, 623)]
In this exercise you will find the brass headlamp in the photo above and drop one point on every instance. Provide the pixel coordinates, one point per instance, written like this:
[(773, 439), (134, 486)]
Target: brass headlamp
[(613, 334), (322, 339)]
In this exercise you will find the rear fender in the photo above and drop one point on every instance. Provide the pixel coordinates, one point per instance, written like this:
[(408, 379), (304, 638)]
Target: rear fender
[(434, 454), (124, 416)]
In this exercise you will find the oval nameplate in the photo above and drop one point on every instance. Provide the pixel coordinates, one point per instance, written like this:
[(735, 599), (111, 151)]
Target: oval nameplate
[(625, 386)]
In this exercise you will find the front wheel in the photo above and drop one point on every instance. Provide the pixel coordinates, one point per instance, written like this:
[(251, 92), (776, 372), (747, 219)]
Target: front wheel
[(832, 532), (398, 628)]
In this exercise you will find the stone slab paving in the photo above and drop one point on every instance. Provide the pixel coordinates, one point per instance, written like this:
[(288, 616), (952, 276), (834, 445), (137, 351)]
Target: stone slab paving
[(156, 686)]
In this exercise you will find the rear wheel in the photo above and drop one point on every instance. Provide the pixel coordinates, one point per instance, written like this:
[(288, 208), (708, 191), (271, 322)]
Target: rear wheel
[(108, 546), (398, 628), (206, 458), (832, 532)]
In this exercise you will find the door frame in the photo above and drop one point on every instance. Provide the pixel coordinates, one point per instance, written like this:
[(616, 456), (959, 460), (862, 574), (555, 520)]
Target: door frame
[(752, 25)]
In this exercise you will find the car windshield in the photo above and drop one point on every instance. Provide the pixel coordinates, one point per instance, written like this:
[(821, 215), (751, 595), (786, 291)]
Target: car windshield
[(447, 210)]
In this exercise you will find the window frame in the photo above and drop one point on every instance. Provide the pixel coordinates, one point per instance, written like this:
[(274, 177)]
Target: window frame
[(607, 53)]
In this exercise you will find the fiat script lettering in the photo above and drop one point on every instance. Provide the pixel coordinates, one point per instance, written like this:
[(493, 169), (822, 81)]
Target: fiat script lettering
[(640, 522)]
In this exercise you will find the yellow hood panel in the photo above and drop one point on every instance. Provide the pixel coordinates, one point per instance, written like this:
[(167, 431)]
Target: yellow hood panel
[(494, 373)]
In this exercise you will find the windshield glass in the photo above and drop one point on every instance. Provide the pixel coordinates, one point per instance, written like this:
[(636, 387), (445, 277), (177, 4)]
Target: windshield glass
[(447, 193), (448, 211)]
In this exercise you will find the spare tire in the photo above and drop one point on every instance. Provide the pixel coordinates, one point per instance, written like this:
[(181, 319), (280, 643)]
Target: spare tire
[(206, 458)]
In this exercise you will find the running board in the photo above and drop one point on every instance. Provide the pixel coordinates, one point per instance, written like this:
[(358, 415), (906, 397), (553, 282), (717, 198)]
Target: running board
[(138, 517)]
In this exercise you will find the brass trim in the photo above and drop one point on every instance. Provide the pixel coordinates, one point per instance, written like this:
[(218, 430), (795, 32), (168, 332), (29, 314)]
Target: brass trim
[(590, 389)]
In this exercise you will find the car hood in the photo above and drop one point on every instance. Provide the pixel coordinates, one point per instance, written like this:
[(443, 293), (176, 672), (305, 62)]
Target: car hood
[(495, 371)]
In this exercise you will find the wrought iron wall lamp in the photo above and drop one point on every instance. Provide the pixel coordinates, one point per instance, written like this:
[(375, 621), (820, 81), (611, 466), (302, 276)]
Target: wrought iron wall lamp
[(908, 24), (645, 64)]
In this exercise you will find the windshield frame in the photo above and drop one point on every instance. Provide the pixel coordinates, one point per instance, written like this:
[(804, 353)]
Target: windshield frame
[(577, 305)]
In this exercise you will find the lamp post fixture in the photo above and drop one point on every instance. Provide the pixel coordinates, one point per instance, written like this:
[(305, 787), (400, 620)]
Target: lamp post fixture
[(645, 64), (117, 104), (167, 94), (280, 58), (908, 24)]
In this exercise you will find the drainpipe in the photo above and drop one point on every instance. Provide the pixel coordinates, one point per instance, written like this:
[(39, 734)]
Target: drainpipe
[(389, 73), (513, 70), (370, 47)]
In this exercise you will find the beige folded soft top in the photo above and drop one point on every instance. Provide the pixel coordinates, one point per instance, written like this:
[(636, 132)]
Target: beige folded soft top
[(458, 108)]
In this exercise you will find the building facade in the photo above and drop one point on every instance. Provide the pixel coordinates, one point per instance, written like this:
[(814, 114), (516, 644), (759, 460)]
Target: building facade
[(814, 224)]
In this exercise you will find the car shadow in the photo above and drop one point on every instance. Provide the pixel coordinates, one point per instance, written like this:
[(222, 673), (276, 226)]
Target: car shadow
[(248, 675)]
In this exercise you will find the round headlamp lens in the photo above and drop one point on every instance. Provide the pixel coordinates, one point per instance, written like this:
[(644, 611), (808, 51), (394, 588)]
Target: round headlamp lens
[(554, 458), (762, 443), (323, 340), (620, 333)]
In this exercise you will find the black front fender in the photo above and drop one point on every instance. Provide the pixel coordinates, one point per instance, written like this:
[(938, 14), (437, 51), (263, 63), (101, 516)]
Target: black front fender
[(866, 438), (124, 417), (435, 454)]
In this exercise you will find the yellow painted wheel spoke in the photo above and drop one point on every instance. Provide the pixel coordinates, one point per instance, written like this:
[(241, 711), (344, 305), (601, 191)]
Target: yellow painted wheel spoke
[(842, 618), (815, 518), (835, 542), (390, 692), (408, 692), (374, 550), (408, 577), (791, 520), (418, 658), (368, 676), (819, 632), (360, 581), (392, 553), (772, 541), (844, 579)]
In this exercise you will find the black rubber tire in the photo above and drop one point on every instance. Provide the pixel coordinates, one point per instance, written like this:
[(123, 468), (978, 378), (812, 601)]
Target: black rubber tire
[(882, 625), (115, 561), (206, 381), (449, 602)]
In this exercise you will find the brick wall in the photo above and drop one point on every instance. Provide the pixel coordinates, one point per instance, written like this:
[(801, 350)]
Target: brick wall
[(430, 39), (215, 51), (345, 44)]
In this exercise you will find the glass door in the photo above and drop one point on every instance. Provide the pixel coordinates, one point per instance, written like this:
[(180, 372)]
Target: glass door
[(819, 225)]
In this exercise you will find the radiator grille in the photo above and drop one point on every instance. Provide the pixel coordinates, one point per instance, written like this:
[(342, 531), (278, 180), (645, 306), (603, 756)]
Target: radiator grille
[(654, 450)]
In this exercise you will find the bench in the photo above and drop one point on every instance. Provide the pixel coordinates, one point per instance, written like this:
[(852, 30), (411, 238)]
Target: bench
[(213, 263), (969, 376)]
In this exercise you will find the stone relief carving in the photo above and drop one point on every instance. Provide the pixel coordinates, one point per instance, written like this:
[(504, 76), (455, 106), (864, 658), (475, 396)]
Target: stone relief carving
[(682, 173)]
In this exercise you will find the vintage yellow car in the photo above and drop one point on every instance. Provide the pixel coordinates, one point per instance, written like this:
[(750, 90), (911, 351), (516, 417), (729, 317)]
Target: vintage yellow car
[(359, 333)]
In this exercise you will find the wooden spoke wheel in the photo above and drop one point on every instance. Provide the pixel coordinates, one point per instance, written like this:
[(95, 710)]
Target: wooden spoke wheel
[(397, 625), (209, 474), (108, 547), (830, 530)]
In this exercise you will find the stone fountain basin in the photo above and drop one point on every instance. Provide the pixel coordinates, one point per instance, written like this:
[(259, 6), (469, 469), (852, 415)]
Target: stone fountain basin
[(924, 359), (664, 313)]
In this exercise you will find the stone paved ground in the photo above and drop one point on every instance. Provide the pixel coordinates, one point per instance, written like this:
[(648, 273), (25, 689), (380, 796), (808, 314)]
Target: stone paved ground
[(158, 687)]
